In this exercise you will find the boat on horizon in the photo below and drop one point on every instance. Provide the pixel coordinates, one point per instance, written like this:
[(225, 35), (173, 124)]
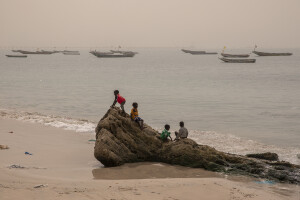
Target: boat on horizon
[(111, 54), (235, 55), (71, 52), (68, 51), (198, 52), (259, 53), (245, 60), (35, 52), (16, 51), (227, 55), (119, 51), (16, 56), (122, 51)]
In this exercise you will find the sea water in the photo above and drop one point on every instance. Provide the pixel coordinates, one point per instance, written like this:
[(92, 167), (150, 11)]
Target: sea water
[(237, 108)]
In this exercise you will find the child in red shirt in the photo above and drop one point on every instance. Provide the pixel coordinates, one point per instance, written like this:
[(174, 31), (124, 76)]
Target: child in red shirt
[(118, 98)]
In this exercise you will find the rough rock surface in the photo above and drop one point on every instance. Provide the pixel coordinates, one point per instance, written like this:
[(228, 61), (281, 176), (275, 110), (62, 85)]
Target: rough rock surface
[(265, 156), (119, 140)]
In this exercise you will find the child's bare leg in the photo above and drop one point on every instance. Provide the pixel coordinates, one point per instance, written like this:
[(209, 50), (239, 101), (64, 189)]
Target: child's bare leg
[(177, 135), (142, 124), (122, 106)]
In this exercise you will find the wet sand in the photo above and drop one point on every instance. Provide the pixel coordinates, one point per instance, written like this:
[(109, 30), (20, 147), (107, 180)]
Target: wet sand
[(151, 171), (62, 166)]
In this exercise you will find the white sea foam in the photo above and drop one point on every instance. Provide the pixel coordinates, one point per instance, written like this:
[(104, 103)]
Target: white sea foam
[(236, 145), (78, 125), (232, 144), (222, 142)]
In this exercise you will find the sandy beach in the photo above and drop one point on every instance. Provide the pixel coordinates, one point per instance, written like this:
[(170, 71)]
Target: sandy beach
[(60, 165)]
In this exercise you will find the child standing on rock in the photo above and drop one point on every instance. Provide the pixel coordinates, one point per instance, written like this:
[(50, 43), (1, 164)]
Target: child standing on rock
[(118, 98), (135, 115)]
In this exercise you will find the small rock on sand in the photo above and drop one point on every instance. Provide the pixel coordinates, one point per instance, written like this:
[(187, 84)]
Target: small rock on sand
[(16, 166), (4, 147), (41, 186)]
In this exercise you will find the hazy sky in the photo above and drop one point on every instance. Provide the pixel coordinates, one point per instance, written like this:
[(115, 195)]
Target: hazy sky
[(142, 23)]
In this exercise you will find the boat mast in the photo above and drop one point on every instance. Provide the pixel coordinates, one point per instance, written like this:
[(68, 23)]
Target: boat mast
[(223, 49), (255, 47)]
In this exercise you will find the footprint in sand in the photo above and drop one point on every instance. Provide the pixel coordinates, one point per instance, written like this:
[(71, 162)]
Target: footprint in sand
[(125, 188)]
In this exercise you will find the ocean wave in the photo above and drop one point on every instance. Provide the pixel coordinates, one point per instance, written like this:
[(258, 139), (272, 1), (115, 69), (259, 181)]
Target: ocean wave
[(78, 125), (236, 145), (223, 142)]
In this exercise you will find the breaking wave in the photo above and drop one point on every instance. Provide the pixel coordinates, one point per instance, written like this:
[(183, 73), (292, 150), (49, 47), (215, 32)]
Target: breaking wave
[(78, 125), (236, 145), (222, 142)]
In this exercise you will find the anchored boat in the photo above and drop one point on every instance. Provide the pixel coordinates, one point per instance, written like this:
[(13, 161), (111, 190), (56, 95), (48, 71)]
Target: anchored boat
[(228, 60), (259, 53), (112, 55), (271, 54), (118, 51), (16, 51), (17, 56), (198, 52), (235, 55), (37, 52), (71, 52)]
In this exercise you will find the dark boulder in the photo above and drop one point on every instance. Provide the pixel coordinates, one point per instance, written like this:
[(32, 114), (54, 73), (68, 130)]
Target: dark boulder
[(119, 140)]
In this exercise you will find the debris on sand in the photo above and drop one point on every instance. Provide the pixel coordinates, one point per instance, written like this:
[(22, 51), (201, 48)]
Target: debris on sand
[(4, 147)]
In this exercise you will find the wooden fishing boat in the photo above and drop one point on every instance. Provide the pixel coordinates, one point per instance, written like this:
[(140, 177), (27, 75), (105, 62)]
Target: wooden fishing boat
[(192, 52), (228, 60), (17, 56), (71, 53), (259, 53), (118, 51), (68, 51), (235, 55), (37, 52), (198, 52), (112, 55), (16, 51), (210, 53)]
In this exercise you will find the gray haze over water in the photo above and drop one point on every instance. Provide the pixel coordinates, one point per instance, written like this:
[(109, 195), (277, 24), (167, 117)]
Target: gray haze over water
[(155, 23)]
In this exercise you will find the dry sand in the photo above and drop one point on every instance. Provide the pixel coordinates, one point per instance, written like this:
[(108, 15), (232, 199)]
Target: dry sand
[(63, 165)]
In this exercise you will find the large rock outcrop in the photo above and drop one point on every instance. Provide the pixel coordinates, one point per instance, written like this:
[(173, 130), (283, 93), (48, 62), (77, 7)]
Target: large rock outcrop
[(119, 140)]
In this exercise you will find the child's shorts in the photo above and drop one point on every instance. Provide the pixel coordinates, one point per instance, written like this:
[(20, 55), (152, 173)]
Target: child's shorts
[(137, 119)]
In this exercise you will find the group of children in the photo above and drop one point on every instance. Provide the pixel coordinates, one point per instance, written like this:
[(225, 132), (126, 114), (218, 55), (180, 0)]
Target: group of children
[(181, 134), (134, 115)]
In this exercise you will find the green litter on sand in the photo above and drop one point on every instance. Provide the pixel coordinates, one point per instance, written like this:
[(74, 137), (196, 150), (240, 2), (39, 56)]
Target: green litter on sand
[(268, 182), (92, 140)]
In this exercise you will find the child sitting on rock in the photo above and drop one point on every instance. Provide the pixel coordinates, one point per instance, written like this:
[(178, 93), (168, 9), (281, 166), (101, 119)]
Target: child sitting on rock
[(135, 115), (118, 98), (165, 134), (183, 132)]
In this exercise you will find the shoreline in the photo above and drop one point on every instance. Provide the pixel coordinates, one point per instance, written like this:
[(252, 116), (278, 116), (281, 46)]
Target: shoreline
[(63, 163), (230, 143)]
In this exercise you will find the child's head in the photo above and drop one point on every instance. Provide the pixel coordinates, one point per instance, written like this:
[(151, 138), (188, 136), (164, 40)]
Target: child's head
[(167, 127), (135, 105), (116, 92), (181, 124)]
